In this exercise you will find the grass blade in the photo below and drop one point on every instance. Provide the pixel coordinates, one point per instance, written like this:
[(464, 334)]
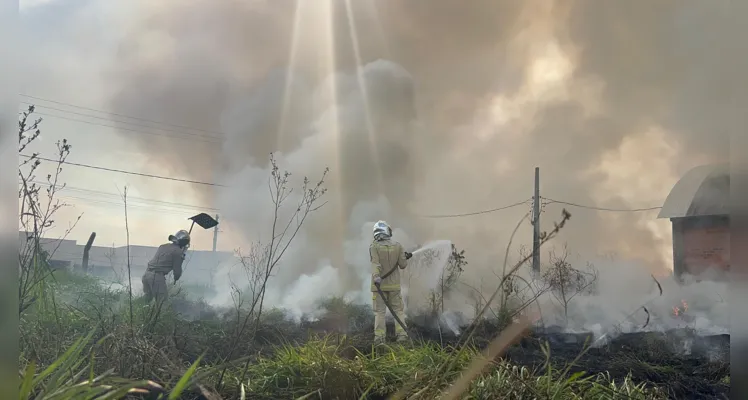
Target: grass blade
[(58, 362), (69, 361), (28, 379), (182, 384), (123, 391), (308, 395)]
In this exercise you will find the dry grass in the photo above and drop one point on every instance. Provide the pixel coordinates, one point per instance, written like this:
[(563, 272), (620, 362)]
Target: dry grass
[(285, 360)]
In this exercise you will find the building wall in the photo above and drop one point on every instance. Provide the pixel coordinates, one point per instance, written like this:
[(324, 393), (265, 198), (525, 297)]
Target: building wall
[(701, 243), (59, 249), (110, 263)]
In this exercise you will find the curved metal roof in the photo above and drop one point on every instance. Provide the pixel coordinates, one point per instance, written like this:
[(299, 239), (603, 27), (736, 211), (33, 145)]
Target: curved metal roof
[(704, 190)]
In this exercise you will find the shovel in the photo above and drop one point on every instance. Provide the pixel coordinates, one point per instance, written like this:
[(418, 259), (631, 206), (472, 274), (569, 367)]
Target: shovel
[(204, 220)]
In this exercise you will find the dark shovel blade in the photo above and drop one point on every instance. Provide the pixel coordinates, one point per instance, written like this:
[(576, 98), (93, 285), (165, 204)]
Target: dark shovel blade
[(204, 220)]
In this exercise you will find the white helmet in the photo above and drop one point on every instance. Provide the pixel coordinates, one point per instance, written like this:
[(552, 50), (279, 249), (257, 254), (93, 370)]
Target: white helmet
[(382, 229), (181, 238)]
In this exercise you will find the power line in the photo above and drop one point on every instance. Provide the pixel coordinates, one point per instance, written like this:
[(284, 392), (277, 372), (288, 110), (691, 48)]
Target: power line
[(125, 172), (198, 137), (476, 212), (62, 188), (130, 207), (551, 201), (117, 121), (119, 115)]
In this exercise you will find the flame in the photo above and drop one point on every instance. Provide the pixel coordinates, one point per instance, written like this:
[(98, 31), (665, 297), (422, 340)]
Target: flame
[(678, 310)]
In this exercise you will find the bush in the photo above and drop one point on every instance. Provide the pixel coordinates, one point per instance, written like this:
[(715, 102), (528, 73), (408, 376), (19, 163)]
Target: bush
[(283, 362)]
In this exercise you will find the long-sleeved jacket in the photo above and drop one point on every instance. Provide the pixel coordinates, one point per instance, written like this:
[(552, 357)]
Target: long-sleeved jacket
[(168, 258), (386, 255)]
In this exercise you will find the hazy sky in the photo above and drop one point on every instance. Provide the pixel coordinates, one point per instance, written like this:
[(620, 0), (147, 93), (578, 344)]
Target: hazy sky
[(70, 44), (613, 101)]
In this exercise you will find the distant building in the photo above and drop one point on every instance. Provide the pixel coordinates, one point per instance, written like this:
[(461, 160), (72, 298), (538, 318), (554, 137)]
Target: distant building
[(698, 208), (111, 262)]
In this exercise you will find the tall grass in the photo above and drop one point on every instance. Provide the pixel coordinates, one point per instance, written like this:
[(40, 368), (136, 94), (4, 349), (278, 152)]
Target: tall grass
[(71, 376), (84, 347), (331, 371)]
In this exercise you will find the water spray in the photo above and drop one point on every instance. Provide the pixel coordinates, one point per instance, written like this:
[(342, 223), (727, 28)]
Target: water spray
[(434, 255)]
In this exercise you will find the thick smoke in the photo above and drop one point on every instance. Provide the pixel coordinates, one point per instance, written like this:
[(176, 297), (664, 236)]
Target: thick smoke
[(437, 106), (628, 299)]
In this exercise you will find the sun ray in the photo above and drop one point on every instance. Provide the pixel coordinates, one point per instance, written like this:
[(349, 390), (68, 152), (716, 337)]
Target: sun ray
[(340, 225), (331, 81), (374, 149), (280, 134), (373, 11)]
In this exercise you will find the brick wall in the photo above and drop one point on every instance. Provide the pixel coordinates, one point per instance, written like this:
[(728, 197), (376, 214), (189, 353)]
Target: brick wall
[(706, 247)]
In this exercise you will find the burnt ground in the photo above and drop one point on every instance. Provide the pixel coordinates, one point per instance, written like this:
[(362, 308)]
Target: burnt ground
[(685, 365), (679, 362)]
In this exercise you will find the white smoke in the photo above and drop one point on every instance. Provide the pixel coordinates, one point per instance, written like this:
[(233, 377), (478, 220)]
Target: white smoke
[(320, 127), (460, 77), (625, 288), (622, 292), (301, 296), (327, 126)]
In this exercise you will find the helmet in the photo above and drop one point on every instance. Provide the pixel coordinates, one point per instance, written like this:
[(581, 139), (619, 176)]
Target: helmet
[(381, 230), (181, 238)]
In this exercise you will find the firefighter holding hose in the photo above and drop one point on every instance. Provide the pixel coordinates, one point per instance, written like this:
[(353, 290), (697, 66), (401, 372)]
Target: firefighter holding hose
[(387, 258)]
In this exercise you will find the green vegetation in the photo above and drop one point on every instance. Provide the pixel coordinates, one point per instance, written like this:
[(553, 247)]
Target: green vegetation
[(78, 341), (82, 340)]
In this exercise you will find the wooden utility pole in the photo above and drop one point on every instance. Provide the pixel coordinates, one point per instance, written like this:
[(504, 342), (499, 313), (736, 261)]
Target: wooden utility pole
[(215, 236), (536, 224), (86, 250)]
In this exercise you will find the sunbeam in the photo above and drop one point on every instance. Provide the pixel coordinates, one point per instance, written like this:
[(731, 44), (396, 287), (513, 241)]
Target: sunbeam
[(340, 224), (289, 74), (373, 11), (374, 149)]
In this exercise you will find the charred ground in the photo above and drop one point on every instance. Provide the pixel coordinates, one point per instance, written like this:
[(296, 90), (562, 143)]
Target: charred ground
[(280, 357), (679, 362)]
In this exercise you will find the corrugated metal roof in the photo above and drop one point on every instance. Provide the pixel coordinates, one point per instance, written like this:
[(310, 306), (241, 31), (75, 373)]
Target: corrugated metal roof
[(703, 190)]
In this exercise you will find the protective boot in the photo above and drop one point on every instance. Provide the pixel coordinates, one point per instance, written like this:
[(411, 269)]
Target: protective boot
[(379, 340), (402, 338)]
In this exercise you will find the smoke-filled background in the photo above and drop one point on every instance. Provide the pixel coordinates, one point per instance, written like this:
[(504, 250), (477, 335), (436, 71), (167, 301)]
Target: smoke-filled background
[(431, 107)]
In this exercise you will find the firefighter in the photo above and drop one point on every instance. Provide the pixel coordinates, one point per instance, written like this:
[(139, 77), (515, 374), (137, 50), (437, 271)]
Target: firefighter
[(387, 258), (168, 258)]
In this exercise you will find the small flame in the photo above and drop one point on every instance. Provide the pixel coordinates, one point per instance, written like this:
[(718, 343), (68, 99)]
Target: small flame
[(680, 310)]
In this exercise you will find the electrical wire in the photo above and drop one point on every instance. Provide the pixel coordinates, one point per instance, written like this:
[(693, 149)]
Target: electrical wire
[(130, 207), (117, 121), (119, 115), (476, 212), (552, 201), (195, 136), (548, 201), (114, 195), (124, 172)]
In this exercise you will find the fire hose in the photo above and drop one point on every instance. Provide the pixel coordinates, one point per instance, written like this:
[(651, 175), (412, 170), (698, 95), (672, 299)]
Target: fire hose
[(387, 303)]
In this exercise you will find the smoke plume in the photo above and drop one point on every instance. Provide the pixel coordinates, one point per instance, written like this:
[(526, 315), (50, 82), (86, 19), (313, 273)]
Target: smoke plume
[(434, 107)]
